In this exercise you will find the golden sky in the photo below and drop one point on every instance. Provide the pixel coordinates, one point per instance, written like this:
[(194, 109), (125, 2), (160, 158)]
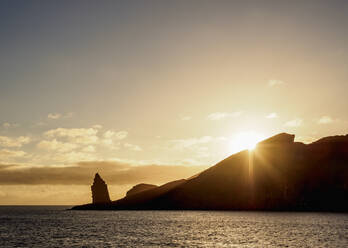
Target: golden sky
[(155, 91)]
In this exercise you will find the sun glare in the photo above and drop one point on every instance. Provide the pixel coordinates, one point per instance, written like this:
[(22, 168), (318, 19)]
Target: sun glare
[(245, 141)]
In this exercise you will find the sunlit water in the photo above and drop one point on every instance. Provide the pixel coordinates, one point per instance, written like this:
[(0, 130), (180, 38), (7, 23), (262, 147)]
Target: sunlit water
[(53, 227)]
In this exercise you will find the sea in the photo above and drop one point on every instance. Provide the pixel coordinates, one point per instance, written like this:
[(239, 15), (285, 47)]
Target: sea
[(55, 226)]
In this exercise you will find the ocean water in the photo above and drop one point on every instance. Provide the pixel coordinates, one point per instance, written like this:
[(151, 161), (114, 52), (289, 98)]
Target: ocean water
[(54, 227)]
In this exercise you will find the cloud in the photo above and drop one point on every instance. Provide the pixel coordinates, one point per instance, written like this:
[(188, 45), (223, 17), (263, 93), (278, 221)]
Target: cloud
[(82, 173), (89, 149), (325, 120), (107, 142), (110, 136), (14, 142), (133, 147), (222, 115), (121, 135), (72, 132), (67, 145), (97, 126), (118, 135), (54, 145), (85, 139), (73, 157), (274, 82), (77, 135), (56, 116), (294, 123), (272, 115), (5, 154), (8, 125)]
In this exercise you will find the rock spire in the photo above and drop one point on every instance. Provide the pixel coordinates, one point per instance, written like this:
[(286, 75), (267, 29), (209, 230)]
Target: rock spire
[(100, 193)]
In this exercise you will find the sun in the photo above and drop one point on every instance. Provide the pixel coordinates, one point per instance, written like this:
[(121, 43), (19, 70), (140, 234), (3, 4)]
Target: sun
[(245, 141)]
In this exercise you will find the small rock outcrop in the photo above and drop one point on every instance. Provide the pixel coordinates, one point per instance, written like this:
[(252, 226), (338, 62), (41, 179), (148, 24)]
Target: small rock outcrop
[(100, 193)]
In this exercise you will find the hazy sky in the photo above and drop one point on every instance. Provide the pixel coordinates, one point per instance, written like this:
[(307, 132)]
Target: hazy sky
[(143, 83)]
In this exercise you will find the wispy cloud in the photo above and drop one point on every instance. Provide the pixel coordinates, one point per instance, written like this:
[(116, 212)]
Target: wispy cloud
[(133, 147), (8, 125), (97, 126), (325, 120), (54, 145), (222, 115), (65, 145), (272, 115), (71, 138), (5, 154), (14, 142), (118, 135), (55, 116), (274, 82), (294, 123), (89, 149), (77, 135), (72, 132), (121, 135), (110, 136)]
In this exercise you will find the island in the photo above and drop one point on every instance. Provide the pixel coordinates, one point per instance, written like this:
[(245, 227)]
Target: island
[(278, 175)]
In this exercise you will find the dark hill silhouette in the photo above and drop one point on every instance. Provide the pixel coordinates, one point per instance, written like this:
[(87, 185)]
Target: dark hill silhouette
[(139, 188), (279, 174)]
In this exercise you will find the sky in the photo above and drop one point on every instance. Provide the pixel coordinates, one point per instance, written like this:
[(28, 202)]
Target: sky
[(152, 91)]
